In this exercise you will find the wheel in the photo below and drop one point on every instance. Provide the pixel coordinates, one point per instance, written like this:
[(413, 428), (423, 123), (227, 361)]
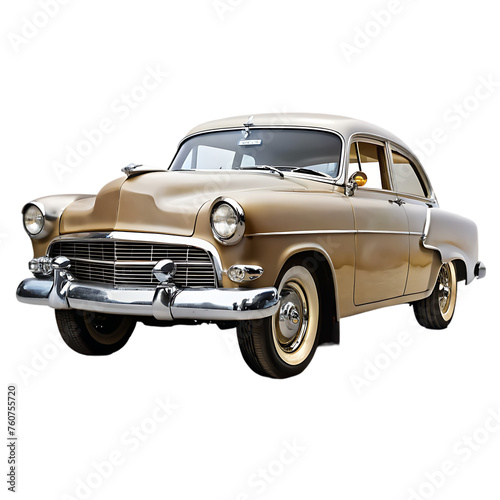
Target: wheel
[(436, 311), (283, 345), (94, 333)]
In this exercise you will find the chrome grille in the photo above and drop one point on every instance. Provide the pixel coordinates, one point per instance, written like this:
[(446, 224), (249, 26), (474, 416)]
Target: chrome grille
[(130, 264)]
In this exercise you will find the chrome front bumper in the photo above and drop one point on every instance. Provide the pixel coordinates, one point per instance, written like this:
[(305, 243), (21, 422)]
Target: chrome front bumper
[(166, 302)]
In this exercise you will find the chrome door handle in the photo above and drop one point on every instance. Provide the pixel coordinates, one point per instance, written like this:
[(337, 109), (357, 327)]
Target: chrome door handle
[(398, 201)]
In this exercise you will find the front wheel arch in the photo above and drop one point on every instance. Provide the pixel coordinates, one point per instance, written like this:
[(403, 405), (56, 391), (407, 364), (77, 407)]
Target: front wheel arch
[(322, 268), (283, 345)]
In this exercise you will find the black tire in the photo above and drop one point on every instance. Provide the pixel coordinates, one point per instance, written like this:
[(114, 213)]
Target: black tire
[(281, 349), (436, 311), (94, 334)]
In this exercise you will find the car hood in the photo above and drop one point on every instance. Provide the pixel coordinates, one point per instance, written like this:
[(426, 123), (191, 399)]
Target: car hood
[(168, 202)]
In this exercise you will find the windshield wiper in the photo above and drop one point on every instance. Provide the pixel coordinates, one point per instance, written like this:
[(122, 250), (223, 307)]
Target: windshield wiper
[(263, 167), (303, 170)]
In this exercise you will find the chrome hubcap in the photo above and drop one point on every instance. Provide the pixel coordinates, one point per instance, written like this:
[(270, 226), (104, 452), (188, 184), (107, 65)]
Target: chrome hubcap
[(447, 290), (444, 293), (292, 318)]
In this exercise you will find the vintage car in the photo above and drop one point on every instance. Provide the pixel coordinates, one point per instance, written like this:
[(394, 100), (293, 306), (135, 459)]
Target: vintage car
[(276, 225)]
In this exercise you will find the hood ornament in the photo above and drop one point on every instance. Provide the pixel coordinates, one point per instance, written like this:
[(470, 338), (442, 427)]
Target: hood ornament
[(248, 124), (130, 168)]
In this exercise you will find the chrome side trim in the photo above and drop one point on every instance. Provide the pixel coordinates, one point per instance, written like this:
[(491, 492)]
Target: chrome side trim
[(335, 231), (427, 224), (370, 231), (151, 238), (287, 233)]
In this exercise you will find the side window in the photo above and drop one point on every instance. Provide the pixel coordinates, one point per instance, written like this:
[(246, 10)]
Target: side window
[(406, 176), (370, 159)]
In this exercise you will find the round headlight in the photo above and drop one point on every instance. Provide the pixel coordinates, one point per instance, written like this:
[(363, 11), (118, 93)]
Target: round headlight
[(33, 220), (224, 220), (228, 221)]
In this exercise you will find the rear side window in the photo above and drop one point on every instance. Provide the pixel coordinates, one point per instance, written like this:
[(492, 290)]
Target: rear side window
[(407, 178)]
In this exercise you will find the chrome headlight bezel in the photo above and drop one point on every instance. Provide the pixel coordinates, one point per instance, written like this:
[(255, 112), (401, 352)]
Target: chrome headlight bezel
[(40, 208), (239, 215)]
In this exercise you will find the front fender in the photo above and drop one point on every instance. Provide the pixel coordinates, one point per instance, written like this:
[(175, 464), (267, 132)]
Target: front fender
[(52, 208)]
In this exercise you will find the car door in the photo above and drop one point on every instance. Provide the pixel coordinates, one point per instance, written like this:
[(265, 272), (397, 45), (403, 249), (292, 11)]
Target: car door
[(413, 188), (382, 241)]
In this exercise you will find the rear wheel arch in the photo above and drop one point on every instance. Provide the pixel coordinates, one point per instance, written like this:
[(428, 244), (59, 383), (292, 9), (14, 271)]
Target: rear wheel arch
[(461, 269), (459, 264), (436, 311)]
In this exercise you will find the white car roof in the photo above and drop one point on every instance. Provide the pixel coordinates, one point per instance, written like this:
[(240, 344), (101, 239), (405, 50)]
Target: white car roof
[(343, 125)]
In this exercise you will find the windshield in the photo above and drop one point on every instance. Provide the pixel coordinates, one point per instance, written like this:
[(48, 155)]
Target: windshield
[(285, 149)]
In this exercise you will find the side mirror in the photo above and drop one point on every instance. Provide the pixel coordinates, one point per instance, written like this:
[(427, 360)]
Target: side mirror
[(357, 179)]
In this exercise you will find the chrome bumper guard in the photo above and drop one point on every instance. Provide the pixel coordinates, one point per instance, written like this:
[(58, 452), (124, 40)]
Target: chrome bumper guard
[(480, 270), (166, 302)]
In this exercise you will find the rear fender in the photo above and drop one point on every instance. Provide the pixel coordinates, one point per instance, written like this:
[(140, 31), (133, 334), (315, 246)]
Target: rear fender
[(454, 237)]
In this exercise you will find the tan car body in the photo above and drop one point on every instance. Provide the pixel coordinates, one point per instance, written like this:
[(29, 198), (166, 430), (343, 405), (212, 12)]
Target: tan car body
[(378, 253)]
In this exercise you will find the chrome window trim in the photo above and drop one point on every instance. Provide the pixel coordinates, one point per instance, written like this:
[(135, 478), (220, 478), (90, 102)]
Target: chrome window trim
[(149, 238), (378, 141), (427, 184), (333, 181)]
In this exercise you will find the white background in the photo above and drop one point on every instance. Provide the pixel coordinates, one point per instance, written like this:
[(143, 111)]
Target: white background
[(229, 425)]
